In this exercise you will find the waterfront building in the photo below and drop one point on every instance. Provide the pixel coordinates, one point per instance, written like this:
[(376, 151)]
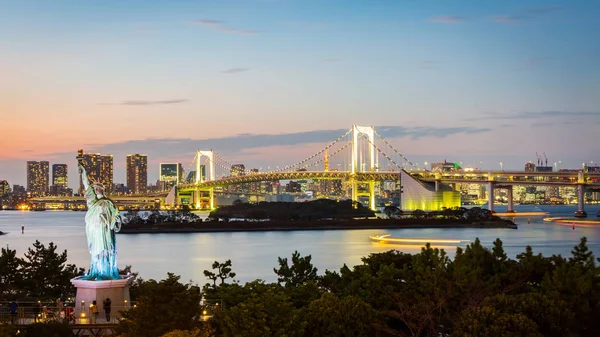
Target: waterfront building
[(137, 173), (38, 178), (99, 168), (19, 190), (254, 187), (59, 175), (426, 196), (445, 166), (4, 188), (237, 170), (170, 174), (530, 167)]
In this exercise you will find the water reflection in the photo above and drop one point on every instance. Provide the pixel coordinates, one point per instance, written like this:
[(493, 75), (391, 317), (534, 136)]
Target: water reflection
[(254, 254)]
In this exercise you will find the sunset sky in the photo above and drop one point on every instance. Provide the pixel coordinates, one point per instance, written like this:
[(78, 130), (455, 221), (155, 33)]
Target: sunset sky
[(269, 82)]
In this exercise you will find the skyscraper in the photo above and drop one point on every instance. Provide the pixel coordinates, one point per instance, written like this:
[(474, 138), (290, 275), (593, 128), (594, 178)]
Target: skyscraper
[(59, 175), (137, 173), (4, 188), (99, 168), (38, 177), (170, 174)]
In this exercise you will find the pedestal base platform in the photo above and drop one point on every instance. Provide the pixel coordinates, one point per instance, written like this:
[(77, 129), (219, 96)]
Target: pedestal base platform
[(580, 214), (89, 291)]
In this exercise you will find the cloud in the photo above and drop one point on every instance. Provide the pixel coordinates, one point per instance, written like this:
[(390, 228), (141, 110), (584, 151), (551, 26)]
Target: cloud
[(171, 101), (234, 70), (529, 63), (447, 19), (233, 144), (506, 19), (331, 59), (221, 27), (428, 64), (543, 10), (539, 115), (541, 124)]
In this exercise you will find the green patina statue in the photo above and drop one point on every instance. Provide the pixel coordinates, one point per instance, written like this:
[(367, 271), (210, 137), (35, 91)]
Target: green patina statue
[(102, 221)]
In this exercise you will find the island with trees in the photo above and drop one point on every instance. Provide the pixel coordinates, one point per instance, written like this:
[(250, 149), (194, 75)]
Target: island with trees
[(480, 292), (322, 214)]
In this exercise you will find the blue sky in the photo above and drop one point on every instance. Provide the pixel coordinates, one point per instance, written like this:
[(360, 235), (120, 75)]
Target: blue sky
[(122, 76)]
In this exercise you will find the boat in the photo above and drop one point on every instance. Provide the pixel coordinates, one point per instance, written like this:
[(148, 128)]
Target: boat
[(386, 238)]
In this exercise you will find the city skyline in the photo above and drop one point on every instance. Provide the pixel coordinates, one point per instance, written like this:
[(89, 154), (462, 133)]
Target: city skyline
[(269, 82)]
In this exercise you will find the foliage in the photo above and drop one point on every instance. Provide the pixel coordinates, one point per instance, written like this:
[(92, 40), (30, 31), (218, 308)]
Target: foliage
[(330, 316), (393, 212), (264, 313), (42, 274), (51, 329), (162, 307), (133, 218), (10, 274), (203, 331), (223, 272), (292, 211), (300, 272)]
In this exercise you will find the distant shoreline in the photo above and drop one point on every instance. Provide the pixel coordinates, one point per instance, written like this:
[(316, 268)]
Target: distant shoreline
[(251, 226)]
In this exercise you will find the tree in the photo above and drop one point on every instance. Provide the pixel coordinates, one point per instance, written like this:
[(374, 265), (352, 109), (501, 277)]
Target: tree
[(300, 272), (582, 255), (204, 331), (266, 313), (162, 307), (487, 321), (46, 274), (223, 272), (11, 274), (51, 329), (392, 212), (330, 316)]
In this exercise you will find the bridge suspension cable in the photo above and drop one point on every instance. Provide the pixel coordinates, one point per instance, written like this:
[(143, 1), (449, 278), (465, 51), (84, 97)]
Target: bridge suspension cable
[(328, 156), (394, 149), (385, 155), (314, 155)]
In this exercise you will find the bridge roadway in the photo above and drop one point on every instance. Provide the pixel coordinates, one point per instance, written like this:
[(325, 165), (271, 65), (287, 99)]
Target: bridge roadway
[(478, 177)]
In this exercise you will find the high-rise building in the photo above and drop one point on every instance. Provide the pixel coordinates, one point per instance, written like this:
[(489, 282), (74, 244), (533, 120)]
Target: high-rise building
[(237, 170), (99, 168), (137, 173), (59, 175), (170, 174), (254, 187), (4, 188), (38, 177)]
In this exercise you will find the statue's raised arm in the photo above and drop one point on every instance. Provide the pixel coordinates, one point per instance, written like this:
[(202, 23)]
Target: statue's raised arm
[(84, 177)]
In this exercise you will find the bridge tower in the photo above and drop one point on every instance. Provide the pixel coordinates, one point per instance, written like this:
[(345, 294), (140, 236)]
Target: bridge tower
[(200, 178), (373, 161)]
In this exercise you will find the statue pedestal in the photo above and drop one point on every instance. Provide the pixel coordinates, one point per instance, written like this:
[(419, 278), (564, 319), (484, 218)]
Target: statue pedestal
[(89, 291)]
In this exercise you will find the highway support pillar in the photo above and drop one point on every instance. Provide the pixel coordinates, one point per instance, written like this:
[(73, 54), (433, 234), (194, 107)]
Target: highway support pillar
[(211, 194), (509, 195), (372, 195), (580, 202), (490, 190)]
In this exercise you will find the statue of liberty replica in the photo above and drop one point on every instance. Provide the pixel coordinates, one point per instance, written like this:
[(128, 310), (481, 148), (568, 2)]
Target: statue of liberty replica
[(102, 220), (102, 282)]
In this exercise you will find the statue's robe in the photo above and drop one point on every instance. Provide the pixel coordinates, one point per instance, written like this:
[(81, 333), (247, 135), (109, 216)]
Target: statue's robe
[(100, 222)]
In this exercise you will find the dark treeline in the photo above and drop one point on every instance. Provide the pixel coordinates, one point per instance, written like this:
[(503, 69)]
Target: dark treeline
[(319, 209), (481, 292)]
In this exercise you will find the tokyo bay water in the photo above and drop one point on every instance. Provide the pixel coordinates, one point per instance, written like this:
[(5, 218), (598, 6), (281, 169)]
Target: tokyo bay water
[(254, 254)]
